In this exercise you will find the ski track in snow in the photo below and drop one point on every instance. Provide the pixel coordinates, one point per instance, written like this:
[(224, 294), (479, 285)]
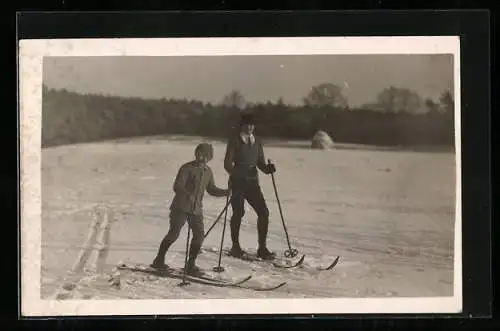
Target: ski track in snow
[(389, 215)]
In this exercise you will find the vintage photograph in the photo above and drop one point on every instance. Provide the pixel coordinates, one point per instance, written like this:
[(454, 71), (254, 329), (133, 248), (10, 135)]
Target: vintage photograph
[(328, 175)]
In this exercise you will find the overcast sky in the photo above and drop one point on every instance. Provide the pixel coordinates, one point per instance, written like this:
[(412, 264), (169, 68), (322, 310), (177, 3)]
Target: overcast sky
[(259, 78)]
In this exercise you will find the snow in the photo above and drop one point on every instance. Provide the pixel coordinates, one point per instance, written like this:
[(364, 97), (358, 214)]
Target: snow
[(388, 214)]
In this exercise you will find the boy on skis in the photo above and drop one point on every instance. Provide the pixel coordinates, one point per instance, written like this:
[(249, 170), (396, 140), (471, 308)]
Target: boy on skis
[(192, 180)]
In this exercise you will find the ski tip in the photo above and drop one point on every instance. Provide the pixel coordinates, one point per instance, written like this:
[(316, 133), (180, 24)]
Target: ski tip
[(244, 280), (271, 288), (334, 263), (279, 285)]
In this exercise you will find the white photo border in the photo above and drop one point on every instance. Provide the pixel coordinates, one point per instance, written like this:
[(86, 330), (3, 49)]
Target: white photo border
[(31, 55)]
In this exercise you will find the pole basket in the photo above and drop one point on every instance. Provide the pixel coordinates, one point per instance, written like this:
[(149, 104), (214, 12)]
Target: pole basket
[(218, 269), (290, 253)]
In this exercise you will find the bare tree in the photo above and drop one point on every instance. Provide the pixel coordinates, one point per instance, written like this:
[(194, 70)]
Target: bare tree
[(280, 102), (234, 99), (431, 105), (326, 94), (395, 100), (447, 102)]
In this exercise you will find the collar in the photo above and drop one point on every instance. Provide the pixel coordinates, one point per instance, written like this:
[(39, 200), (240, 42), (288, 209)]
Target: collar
[(247, 137), (200, 165)]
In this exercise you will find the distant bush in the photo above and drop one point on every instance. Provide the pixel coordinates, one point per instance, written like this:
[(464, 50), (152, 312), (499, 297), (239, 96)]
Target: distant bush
[(69, 117)]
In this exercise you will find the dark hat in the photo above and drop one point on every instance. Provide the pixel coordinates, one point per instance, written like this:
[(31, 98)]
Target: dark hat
[(206, 149), (247, 119)]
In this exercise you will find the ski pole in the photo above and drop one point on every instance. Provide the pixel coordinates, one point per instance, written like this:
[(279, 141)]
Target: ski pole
[(290, 252), (217, 219), (184, 282), (219, 268)]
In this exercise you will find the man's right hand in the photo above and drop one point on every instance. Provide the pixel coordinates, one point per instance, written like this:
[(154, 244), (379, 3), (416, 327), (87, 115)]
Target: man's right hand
[(271, 168)]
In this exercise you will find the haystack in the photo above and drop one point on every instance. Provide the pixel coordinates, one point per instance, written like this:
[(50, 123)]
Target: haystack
[(321, 140)]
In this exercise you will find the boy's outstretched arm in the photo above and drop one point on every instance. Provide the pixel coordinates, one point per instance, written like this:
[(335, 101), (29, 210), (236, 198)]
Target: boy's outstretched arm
[(213, 190)]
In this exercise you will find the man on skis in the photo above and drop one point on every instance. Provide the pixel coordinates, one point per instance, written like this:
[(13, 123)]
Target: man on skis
[(244, 157)]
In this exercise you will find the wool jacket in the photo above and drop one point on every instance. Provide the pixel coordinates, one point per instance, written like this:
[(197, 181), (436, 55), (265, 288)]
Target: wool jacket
[(242, 159), (190, 184)]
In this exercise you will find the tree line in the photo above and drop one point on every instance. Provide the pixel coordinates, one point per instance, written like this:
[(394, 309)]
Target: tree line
[(398, 117)]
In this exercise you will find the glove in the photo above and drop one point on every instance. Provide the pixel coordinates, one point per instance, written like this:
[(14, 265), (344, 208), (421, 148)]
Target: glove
[(271, 168)]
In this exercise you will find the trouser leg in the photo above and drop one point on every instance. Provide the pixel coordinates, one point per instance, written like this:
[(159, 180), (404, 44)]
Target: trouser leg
[(238, 207), (197, 228), (177, 221), (256, 200)]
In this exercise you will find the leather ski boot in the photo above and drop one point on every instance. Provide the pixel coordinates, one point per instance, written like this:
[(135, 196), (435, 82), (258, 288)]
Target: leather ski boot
[(265, 254)]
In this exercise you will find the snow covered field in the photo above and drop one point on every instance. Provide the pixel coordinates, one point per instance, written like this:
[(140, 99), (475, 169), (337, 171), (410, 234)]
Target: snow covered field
[(388, 214)]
